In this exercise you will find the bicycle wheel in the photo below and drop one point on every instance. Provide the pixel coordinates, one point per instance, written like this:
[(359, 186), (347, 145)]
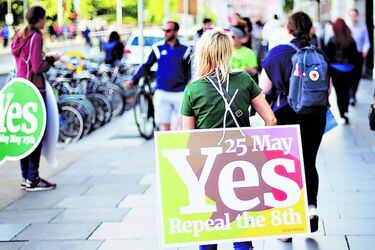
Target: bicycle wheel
[(103, 109), (143, 110), (71, 124), (115, 96)]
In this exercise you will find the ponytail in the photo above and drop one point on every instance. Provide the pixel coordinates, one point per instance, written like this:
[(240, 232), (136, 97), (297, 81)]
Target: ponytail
[(32, 16), (299, 25)]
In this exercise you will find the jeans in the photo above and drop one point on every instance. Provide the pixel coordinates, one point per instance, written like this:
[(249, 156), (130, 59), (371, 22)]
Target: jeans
[(30, 164), (247, 245)]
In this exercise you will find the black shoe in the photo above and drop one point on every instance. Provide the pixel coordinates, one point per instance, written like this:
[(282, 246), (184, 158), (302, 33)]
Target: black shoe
[(39, 185), (346, 120), (286, 239), (314, 223), (353, 101)]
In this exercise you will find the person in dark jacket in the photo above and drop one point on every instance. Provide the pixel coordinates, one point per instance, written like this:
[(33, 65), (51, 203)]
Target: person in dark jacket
[(274, 79), (27, 48), (114, 49), (172, 76), (342, 53)]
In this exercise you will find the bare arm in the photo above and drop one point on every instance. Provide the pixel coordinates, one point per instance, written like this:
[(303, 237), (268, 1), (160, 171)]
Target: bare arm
[(188, 122), (265, 82), (330, 86), (261, 106)]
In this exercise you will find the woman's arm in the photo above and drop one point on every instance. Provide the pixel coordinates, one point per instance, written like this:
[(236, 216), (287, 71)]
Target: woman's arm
[(188, 122), (261, 106), (38, 65), (265, 82)]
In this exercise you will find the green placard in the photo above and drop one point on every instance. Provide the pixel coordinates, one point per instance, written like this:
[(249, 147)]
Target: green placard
[(22, 119)]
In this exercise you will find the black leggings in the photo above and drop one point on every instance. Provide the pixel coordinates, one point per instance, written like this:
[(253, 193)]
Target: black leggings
[(312, 130), (342, 83)]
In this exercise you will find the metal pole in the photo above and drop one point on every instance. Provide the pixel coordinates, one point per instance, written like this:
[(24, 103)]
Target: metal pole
[(140, 28), (200, 11), (186, 13), (119, 13), (166, 11), (60, 12), (9, 6), (24, 10)]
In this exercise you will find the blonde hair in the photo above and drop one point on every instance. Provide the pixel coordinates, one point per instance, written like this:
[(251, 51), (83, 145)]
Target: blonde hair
[(213, 51)]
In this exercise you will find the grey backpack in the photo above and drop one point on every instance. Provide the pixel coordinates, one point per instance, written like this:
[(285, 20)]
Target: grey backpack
[(309, 81)]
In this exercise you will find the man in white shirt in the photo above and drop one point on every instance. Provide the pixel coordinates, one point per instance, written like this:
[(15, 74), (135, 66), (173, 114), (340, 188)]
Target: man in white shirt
[(361, 37)]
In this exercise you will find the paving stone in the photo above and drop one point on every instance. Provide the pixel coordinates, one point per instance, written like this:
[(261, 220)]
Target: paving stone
[(126, 230), (150, 244), (28, 216), (39, 202), (108, 189), (349, 211), (347, 197), (114, 179), (304, 243), (55, 231), (350, 226), (357, 185), (329, 211), (148, 179), (361, 242), (132, 170), (8, 231), (97, 201), (85, 172), (91, 215), (63, 245), (63, 180), (136, 201), (141, 214), (11, 245), (60, 192)]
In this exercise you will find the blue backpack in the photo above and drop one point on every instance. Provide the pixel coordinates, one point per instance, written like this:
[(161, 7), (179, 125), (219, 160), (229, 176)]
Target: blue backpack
[(309, 82)]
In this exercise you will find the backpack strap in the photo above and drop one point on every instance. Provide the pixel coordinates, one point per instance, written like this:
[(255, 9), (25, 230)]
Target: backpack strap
[(239, 115), (293, 46)]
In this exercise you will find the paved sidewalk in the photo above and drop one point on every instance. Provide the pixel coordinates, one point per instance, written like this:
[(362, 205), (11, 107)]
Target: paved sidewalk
[(106, 199)]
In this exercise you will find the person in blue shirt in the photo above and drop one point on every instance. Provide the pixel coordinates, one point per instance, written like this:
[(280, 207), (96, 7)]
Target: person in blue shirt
[(172, 75), (5, 33)]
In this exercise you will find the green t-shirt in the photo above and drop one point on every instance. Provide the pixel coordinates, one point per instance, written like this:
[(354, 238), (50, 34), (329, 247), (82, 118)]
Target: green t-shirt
[(202, 100), (243, 57)]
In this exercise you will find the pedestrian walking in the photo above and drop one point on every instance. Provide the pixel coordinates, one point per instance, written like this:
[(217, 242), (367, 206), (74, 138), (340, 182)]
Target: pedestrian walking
[(248, 30), (5, 33), (86, 35), (242, 58), (361, 38), (51, 32), (114, 49), (342, 54), (27, 48), (207, 25), (204, 106), (172, 76), (278, 69)]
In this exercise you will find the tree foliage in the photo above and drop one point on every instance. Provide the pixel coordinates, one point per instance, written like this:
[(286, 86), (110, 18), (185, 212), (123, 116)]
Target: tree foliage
[(89, 9)]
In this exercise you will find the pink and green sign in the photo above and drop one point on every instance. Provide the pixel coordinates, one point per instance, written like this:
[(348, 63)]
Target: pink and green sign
[(250, 185), (22, 119)]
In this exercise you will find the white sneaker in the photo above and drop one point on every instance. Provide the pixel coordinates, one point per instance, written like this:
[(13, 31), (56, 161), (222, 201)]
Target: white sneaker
[(23, 184)]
